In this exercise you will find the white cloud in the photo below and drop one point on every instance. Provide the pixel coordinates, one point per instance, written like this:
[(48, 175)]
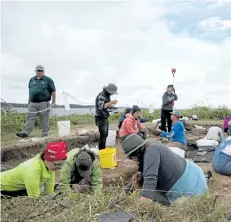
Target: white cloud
[(214, 24), (86, 45)]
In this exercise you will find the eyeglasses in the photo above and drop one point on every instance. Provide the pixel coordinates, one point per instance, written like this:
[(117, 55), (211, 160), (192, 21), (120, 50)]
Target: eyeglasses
[(58, 165), (39, 70)]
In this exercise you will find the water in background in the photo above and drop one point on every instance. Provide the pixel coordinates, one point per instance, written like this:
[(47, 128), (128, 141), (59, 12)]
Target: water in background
[(62, 111)]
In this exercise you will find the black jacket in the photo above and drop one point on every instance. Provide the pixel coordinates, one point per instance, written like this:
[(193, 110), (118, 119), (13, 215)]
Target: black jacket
[(101, 99)]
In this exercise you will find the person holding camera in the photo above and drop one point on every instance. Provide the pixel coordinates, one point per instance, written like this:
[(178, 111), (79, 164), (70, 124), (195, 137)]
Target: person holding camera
[(103, 104)]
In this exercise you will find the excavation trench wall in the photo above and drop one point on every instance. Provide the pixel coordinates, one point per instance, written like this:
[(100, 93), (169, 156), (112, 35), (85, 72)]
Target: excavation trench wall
[(11, 156), (30, 148)]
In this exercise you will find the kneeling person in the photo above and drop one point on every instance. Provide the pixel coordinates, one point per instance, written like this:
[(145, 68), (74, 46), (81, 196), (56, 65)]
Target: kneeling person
[(222, 158), (166, 176), (215, 133), (25, 179), (177, 134), (81, 165)]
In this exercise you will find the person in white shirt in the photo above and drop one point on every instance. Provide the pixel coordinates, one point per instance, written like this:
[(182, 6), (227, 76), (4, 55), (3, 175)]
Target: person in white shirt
[(222, 158), (215, 133)]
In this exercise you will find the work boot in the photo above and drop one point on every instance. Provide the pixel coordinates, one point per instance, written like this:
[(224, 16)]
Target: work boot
[(21, 134)]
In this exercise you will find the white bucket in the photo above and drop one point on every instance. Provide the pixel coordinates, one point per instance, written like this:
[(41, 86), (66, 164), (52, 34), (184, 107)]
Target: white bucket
[(111, 139), (64, 127)]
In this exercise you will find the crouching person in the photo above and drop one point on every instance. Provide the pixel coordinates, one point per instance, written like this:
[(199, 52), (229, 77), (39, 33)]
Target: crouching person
[(132, 125), (166, 176), (222, 158), (25, 179), (82, 168), (215, 133), (177, 134)]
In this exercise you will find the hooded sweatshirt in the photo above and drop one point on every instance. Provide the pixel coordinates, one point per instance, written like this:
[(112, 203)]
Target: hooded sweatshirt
[(227, 119), (29, 175), (168, 100), (130, 126), (68, 170)]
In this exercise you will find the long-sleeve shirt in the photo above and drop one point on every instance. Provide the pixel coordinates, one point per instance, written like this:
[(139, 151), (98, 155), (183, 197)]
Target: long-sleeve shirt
[(68, 169), (100, 101), (29, 175), (215, 133), (167, 100), (130, 126), (161, 170), (177, 133)]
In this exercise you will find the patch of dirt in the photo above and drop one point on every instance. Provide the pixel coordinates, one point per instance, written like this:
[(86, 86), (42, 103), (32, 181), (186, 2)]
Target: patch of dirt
[(218, 184), (11, 156)]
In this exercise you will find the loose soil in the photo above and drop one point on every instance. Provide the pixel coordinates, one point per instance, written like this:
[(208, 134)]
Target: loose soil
[(13, 155)]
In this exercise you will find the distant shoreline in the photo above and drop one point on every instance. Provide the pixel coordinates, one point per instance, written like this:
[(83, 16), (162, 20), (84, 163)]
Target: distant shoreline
[(23, 105)]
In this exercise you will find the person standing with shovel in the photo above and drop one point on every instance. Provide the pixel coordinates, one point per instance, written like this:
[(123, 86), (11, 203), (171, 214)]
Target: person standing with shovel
[(168, 99)]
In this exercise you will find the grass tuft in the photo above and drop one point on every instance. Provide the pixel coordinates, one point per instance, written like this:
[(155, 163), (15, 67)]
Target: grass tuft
[(88, 208)]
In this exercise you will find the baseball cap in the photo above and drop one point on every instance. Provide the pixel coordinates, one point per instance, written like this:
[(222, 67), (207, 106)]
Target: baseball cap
[(84, 164), (39, 67), (135, 109), (176, 112), (55, 151)]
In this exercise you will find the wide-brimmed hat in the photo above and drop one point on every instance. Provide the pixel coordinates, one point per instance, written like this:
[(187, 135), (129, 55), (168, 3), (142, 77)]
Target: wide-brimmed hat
[(111, 88), (176, 112), (84, 164), (132, 143)]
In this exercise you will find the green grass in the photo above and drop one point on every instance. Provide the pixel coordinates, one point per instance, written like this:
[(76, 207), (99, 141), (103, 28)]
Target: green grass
[(88, 208), (12, 122)]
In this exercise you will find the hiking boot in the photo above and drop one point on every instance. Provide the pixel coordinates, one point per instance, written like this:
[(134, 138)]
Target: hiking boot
[(22, 135), (209, 174)]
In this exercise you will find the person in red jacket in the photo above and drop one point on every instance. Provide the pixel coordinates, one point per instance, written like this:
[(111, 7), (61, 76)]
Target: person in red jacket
[(132, 125)]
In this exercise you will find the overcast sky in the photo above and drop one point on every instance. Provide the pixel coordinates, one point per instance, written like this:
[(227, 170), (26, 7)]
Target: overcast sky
[(85, 45)]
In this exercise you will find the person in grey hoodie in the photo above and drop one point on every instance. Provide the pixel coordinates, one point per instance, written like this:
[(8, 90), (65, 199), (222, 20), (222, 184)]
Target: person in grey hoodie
[(167, 107)]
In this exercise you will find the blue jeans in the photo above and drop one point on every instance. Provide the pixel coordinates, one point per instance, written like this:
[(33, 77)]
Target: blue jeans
[(229, 130), (222, 161), (191, 183)]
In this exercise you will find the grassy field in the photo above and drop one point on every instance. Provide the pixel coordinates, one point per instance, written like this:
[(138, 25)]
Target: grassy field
[(88, 208), (12, 122)]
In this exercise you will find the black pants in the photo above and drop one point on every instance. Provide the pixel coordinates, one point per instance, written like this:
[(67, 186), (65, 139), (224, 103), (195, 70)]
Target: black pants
[(17, 193), (166, 115), (103, 131)]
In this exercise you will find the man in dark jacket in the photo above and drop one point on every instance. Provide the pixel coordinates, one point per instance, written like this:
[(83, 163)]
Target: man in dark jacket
[(167, 107), (102, 104)]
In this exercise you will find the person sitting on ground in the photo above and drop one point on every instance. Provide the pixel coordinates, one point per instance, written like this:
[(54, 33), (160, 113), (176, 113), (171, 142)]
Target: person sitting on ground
[(226, 121), (25, 179), (132, 125), (123, 117), (215, 133), (222, 158), (81, 167), (177, 134), (166, 176)]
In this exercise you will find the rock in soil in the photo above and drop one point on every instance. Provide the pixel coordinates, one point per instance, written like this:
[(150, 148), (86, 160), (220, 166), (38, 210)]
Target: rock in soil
[(120, 216)]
